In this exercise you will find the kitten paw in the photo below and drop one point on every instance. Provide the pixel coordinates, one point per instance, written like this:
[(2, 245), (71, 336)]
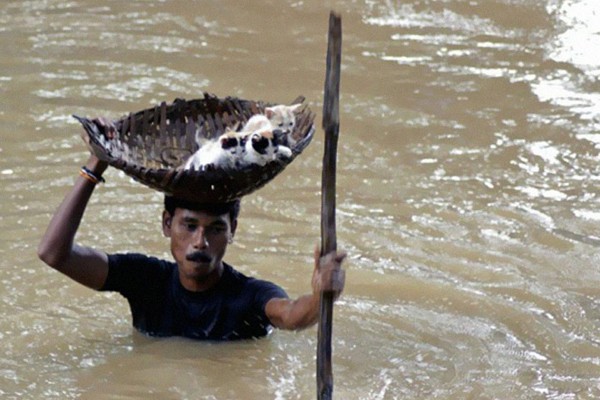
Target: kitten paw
[(284, 152)]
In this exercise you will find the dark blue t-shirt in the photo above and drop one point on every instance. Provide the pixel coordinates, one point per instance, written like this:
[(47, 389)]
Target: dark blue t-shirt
[(161, 306)]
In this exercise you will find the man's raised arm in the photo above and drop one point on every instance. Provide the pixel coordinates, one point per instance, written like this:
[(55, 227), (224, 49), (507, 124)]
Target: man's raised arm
[(57, 248)]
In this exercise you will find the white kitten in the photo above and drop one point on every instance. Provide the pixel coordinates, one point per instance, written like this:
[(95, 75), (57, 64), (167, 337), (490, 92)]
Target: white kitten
[(225, 152), (256, 123), (262, 146), (279, 117), (264, 137)]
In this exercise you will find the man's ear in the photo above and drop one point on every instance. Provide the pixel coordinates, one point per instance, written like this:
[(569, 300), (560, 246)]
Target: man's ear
[(233, 227), (167, 220)]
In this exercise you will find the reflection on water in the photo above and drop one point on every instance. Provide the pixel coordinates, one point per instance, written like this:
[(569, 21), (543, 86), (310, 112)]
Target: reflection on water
[(576, 45), (467, 200)]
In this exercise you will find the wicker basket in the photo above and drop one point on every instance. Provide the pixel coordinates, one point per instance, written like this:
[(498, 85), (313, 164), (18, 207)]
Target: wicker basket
[(152, 145)]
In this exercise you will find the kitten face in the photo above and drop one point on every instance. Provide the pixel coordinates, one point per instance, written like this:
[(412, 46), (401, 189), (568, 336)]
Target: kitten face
[(261, 144), (232, 142), (262, 147), (282, 117)]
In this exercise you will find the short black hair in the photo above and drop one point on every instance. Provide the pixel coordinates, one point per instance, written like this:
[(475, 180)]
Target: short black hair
[(232, 207)]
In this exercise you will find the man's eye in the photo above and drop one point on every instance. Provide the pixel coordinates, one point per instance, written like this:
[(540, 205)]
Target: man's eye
[(191, 227), (215, 230)]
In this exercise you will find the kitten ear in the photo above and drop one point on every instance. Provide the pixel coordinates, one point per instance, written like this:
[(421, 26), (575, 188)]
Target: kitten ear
[(295, 107), (269, 112)]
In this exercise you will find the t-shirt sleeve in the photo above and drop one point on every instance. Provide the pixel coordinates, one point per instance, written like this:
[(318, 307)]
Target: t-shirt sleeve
[(265, 291)]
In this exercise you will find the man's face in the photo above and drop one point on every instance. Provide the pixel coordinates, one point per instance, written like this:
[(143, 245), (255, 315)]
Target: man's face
[(198, 244)]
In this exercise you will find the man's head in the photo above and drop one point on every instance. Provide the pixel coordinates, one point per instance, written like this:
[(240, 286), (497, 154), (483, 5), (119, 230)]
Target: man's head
[(199, 236), (232, 208)]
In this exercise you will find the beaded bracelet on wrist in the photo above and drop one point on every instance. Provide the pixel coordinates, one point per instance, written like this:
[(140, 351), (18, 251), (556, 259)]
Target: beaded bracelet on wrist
[(90, 176)]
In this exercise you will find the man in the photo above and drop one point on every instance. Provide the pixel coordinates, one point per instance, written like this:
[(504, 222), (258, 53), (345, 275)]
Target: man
[(199, 296)]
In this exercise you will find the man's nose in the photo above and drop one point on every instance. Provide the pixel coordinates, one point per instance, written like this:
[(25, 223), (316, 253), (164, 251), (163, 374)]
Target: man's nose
[(200, 241)]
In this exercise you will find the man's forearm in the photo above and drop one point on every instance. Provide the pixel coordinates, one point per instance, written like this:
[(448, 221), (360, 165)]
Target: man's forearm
[(304, 311), (294, 314), (57, 243)]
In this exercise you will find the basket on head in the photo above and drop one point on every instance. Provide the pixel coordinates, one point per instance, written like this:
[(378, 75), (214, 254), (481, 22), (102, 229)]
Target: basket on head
[(152, 145)]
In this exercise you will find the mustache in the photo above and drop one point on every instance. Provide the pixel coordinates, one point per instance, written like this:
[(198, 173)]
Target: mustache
[(198, 256)]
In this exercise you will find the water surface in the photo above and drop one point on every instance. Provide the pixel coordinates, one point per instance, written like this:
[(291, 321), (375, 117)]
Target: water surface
[(467, 195)]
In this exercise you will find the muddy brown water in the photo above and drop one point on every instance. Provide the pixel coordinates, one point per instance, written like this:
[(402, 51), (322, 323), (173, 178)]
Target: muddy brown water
[(467, 195)]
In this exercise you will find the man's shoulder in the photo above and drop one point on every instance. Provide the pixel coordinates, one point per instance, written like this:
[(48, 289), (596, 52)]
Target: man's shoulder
[(232, 275), (136, 269), (251, 283)]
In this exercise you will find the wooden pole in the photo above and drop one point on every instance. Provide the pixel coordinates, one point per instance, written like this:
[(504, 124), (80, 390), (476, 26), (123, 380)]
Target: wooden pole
[(328, 234)]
